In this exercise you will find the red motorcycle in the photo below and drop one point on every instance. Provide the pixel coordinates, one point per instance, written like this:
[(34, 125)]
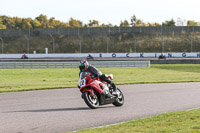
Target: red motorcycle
[(94, 91)]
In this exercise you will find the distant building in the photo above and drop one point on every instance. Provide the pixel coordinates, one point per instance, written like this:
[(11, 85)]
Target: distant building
[(181, 22)]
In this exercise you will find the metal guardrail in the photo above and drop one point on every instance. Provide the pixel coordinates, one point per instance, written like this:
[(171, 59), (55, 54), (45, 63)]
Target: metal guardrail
[(98, 64), (116, 64)]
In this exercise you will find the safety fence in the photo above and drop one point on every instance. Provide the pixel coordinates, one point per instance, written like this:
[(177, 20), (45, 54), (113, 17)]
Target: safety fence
[(97, 30), (98, 64)]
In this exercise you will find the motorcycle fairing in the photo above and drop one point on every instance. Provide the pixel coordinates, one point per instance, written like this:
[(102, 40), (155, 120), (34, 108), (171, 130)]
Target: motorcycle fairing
[(93, 84)]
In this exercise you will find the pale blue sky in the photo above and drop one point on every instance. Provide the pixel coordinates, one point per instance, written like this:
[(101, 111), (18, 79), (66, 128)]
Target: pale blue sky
[(105, 11)]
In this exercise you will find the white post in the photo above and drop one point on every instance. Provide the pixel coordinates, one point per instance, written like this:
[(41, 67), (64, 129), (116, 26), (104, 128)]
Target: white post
[(46, 50)]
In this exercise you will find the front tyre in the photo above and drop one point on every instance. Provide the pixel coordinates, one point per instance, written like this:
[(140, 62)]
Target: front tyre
[(91, 101), (120, 100)]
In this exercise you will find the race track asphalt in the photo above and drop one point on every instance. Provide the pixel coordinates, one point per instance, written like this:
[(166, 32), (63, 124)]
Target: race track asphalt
[(63, 110)]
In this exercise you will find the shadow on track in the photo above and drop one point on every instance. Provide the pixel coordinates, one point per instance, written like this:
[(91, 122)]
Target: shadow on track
[(51, 110), (56, 110)]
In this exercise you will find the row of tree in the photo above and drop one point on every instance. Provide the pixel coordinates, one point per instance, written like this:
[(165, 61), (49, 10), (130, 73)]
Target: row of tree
[(42, 21)]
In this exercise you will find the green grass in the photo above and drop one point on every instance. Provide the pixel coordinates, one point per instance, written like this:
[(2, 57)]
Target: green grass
[(181, 122), (34, 79)]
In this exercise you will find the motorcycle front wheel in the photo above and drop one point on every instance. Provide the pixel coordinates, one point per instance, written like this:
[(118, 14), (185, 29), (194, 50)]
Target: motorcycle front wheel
[(91, 101)]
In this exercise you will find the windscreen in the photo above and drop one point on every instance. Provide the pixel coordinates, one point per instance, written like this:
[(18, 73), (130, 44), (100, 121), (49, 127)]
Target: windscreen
[(83, 74)]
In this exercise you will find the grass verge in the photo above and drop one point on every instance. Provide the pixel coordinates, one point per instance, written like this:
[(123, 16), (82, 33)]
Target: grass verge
[(38, 79), (181, 122)]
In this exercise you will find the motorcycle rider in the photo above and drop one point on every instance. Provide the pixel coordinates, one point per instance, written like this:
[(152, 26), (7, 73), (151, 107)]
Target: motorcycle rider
[(84, 66)]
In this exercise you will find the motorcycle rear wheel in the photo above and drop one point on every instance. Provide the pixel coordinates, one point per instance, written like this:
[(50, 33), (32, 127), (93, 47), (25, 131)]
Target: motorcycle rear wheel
[(91, 101), (120, 100)]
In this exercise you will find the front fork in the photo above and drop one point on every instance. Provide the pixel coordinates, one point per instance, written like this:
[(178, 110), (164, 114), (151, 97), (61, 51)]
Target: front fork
[(89, 90)]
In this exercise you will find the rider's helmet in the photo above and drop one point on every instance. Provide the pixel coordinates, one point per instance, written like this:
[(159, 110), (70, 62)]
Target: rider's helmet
[(83, 65)]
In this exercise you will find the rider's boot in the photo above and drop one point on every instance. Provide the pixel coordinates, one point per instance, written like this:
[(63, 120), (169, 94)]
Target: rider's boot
[(114, 93), (113, 86), (114, 89), (111, 83)]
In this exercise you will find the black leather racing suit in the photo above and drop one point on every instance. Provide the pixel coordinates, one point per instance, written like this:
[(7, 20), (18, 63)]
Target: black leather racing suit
[(96, 73)]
